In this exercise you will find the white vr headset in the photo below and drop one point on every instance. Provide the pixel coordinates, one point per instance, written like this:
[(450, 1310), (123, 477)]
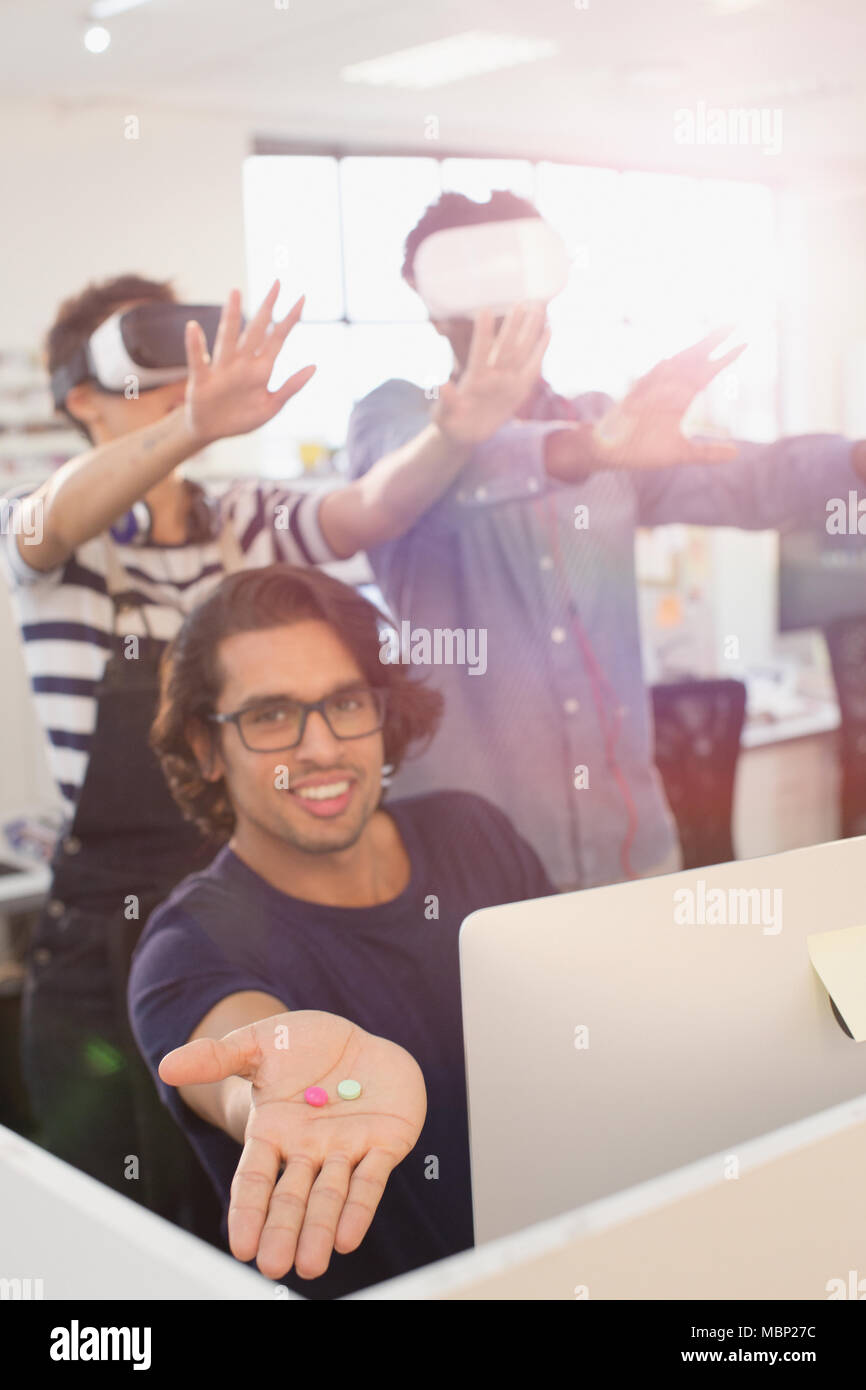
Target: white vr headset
[(145, 343), (490, 265)]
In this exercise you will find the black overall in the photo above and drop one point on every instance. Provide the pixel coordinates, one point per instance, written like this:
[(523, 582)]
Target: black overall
[(94, 1100)]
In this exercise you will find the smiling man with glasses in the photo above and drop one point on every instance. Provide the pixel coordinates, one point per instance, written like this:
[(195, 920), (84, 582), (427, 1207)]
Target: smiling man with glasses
[(277, 723), (320, 946)]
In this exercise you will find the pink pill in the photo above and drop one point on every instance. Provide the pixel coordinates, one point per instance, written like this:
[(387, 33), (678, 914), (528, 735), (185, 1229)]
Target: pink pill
[(314, 1095)]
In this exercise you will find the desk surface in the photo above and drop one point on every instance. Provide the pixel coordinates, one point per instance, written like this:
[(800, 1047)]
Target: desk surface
[(816, 717)]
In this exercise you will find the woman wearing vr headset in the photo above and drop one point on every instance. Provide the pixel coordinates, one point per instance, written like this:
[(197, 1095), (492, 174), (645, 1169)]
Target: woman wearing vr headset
[(127, 549)]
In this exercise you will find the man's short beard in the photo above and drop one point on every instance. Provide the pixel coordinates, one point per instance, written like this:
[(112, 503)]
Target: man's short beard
[(327, 849)]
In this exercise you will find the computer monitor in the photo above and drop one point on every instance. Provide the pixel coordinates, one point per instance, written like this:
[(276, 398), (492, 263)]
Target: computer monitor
[(608, 1042)]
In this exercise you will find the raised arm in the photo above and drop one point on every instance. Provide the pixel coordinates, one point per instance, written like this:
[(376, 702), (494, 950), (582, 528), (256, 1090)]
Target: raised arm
[(224, 397), (245, 1069), (89, 493), (403, 483), (644, 429), (706, 482)]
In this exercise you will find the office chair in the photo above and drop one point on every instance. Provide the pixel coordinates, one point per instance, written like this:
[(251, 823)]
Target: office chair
[(846, 642), (697, 742)]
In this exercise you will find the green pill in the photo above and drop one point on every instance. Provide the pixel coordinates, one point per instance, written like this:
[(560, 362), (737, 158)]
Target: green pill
[(349, 1090)]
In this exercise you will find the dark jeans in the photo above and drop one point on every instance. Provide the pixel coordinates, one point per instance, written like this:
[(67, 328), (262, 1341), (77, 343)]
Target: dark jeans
[(94, 1100)]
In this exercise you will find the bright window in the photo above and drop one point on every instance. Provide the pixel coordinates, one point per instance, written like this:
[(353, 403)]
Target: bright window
[(657, 261)]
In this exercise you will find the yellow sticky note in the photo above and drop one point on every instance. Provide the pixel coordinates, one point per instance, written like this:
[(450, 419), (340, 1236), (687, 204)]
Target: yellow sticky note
[(840, 960)]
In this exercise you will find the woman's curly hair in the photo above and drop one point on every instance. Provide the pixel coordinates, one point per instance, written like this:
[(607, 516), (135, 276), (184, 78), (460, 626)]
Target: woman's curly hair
[(252, 601)]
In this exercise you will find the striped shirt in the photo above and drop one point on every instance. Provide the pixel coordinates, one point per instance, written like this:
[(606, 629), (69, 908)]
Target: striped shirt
[(66, 615)]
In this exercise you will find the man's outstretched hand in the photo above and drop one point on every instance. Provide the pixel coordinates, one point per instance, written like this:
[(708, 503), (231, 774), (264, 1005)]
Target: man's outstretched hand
[(645, 429), (336, 1160), (501, 369)]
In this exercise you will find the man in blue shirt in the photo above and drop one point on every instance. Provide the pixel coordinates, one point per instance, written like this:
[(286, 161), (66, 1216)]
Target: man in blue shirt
[(320, 945), (533, 545)]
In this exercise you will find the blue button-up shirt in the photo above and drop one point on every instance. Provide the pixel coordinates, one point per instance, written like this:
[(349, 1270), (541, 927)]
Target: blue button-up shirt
[(557, 731)]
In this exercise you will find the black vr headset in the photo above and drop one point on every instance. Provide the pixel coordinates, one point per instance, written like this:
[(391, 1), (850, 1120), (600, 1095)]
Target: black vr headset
[(144, 345)]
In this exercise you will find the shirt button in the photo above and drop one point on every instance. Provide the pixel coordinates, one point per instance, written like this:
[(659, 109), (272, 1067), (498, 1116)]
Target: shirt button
[(571, 705), (71, 845), (42, 956), (55, 908), (480, 494), (533, 484), (546, 562), (558, 634)]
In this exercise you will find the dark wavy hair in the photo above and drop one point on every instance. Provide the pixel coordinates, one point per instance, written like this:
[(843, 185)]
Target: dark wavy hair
[(80, 314), (253, 600), (456, 210)]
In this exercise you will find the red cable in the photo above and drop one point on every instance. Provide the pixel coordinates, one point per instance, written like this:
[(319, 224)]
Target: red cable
[(598, 680)]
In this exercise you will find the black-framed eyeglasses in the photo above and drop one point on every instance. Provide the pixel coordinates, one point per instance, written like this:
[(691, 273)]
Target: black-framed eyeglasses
[(277, 724)]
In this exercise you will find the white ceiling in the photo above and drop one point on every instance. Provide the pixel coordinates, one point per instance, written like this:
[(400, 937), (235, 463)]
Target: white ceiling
[(278, 70)]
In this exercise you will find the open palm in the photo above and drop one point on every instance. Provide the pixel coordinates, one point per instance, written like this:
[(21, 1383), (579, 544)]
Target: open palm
[(335, 1160), (228, 394), (501, 369), (644, 430)]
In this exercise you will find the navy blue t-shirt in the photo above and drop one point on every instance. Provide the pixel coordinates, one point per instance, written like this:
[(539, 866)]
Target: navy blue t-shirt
[(392, 969)]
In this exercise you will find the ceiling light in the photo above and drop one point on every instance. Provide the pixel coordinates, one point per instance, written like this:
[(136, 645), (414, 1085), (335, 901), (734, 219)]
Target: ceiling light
[(107, 9), (449, 60), (660, 77), (734, 6), (96, 39)]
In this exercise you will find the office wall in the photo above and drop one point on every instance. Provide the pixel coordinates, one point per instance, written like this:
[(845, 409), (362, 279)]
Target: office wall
[(82, 202), (83, 199)]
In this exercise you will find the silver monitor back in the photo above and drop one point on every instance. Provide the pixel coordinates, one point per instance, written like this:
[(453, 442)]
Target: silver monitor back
[(608, 1043)]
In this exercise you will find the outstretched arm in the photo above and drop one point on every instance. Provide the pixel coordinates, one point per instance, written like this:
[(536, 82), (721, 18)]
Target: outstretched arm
[(789, 484), (310, 1178), (399, 488), (753, 486), (644, 429), (226, 396)]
